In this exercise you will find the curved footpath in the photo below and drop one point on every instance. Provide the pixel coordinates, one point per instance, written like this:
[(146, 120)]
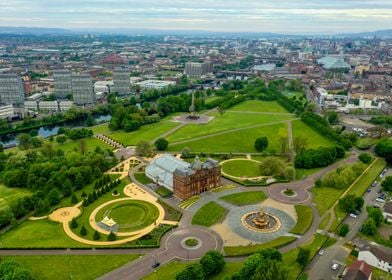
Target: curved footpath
[(171, 243)]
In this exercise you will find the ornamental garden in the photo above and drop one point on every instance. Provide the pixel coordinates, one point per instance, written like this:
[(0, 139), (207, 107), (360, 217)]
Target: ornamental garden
[(280, 165)]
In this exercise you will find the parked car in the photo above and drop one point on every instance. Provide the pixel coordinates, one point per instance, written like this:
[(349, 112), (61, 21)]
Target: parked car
[(374, 184), (368, 190), (321, 252), (155, 265), (334, 266), (378, 199), (376, 205), (352, 215)]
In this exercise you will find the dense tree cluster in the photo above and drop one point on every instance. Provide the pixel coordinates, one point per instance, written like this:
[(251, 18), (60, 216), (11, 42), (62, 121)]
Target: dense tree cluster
[(50, 175), (343, 176), (387, 184), (381, 120), (161, 144), (374, 220), (351, 203), (277, 168), (78, 133), (266, 264), (365, 158), (322, 126), (210, 264), (10, 270), (319, 157)]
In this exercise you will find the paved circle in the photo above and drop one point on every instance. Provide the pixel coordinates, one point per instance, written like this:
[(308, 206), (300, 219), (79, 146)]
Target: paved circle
[(175, 243), (234, 221), (276, 192)]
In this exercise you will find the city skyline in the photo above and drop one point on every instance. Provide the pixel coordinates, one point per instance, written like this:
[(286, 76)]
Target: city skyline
[(288, 17)]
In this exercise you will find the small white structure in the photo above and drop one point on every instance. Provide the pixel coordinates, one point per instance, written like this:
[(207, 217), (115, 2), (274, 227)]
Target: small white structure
[(376, 258), (155, 84)]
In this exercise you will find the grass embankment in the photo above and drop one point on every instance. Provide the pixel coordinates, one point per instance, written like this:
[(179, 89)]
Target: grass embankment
[(244, 198), (142, 178), (9, 196), (250, 249), (71, 267), (304, 221), (208, 215), (188, 203)]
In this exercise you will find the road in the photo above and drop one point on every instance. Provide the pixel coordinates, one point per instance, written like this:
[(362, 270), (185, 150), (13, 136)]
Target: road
[(320, 267)]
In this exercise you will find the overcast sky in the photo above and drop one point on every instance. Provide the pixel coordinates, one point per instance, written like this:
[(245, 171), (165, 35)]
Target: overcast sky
[(285, 16)]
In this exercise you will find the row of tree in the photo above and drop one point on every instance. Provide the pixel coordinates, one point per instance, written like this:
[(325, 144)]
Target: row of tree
[(319, 157)]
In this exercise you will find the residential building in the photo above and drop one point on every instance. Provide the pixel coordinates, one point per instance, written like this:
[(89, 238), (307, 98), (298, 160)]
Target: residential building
[(155, 84), (7, 112), (387, 211), (62, 83), (376, 257), (359, 270), (31, 105), (82, 89), (121, 81), (182, 178), (11, 90), (197, 70), (103, 86)]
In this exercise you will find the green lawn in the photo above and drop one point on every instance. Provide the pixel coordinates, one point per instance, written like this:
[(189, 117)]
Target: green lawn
[(169, 271), (162, 191), (315, 140), (247, 250), (305, 218), (38, 234), (237, 141), (91, 143), (227, 121), (325, 197), (8, 196), (142, 178), (130, 215), (211, 98), (324, 222), (303, 173), (71, 267), (208, 215), (241, 168), (360, 187), (259, 106), (245, 198)]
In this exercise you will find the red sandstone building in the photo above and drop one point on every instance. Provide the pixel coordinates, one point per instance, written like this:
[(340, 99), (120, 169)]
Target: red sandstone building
[(182, 178)]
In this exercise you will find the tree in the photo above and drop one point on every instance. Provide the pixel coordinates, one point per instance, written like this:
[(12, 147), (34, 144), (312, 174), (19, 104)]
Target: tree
[(387, 184), (112, 236), (96, 235), (74, 199), (24, 140), (82, 146), (261, 144), (376, 215), (61, 139), (369, 227), (351, 203), (212, 263), (73, 223), (36, 142), (161, 144), (303, 257), (191, 272), (365, 158), (300, 144), (53, 197), (270, 270), (143, 148), (333, 118), (83, 231), (344, 229), (10, 270)]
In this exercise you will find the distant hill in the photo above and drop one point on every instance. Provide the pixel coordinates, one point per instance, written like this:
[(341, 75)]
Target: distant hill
[(379, 34), (32, 30)]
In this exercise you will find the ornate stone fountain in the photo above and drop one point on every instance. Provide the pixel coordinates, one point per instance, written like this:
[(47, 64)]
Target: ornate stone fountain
[(261, 221)]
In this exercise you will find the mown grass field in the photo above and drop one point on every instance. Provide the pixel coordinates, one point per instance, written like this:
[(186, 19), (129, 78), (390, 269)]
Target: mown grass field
[(314, 139), (237, 141), (38, 234), (209, 214), (244, 198), (304, 221), (70, 267), (227, 121), (241, 168), (259, 106), (9, 196)]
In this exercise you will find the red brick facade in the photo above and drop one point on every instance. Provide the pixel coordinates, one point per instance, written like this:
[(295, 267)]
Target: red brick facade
[(202, 180)]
